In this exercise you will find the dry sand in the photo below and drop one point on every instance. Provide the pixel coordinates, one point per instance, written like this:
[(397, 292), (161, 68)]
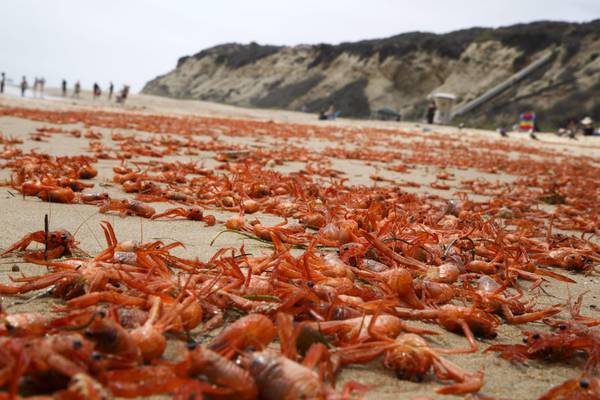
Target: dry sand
[(19, 216)]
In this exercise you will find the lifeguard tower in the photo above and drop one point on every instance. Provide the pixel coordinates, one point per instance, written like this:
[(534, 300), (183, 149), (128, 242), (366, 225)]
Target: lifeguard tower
[(444, 103)]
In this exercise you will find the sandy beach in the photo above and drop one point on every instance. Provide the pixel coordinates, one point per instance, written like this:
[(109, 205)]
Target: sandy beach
[(20, 216)]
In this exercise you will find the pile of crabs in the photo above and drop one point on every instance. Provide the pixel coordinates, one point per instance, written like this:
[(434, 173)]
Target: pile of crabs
[(354, 274)]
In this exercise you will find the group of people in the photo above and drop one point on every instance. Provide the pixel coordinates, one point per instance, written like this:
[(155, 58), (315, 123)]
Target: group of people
[(571, 128), (76, 89), (574, 126), (97, 92), (40, 83), (38, 86)]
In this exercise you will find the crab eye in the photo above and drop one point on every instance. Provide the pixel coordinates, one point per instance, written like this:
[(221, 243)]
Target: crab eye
[(77, 344), (535, 336), (584, 383)]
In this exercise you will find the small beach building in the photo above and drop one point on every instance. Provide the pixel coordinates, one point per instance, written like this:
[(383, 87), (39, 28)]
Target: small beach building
[(444, 103)]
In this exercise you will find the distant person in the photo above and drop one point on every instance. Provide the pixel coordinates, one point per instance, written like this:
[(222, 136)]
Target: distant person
[(322, 116), (431, 109), (569, 129), (2, 82), (64, 88), (123, 95), (96, 91), (36, 85), (572, 124), (587, 126), (42, 84), (536, 128), (77, 89), (24, 86), (331, 113), (111, 88)]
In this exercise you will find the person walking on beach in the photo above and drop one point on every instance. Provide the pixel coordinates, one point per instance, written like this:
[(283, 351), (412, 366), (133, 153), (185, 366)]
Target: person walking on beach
[(431, 109), (331, 113), (123, 95), (76, 89), (64, 88), (36, 83), (23, 86), (2, 82), (111, 88), (42, 84), (96, 90)]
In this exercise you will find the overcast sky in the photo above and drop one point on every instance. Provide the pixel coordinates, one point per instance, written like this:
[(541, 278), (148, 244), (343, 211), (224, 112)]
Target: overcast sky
[(132, 41)]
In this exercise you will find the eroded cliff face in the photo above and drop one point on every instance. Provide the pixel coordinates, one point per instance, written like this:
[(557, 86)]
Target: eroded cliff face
[(399, 72)]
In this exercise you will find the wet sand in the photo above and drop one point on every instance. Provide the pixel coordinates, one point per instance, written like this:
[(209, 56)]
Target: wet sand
[(20, 216)]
